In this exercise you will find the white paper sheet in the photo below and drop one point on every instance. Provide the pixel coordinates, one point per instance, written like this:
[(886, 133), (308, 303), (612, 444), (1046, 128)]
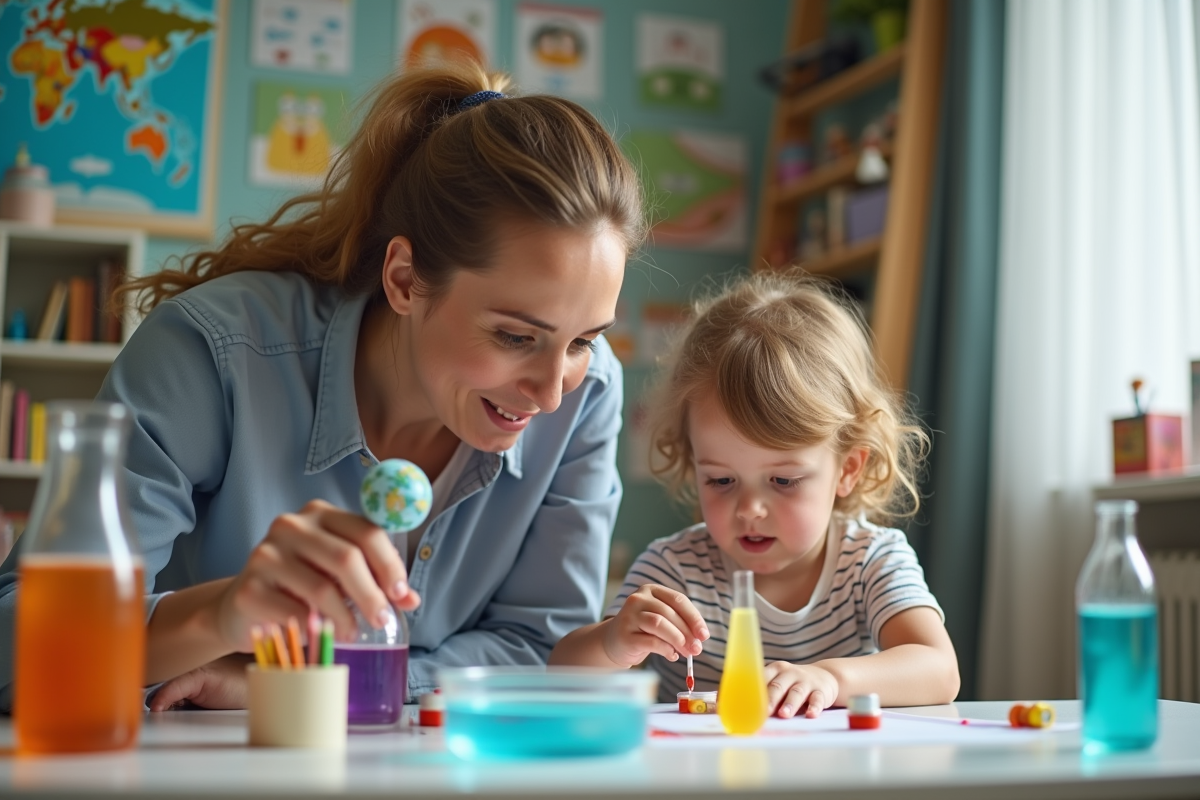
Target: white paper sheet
[(669, 728)]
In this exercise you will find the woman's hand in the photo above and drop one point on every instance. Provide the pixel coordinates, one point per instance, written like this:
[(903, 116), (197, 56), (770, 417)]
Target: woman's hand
[(317, 558), (793, 687), (217, 684), (654, 619)]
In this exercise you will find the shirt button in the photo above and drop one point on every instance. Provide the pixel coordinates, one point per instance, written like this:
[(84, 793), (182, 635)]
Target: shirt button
[(366, 462), (425, 552)]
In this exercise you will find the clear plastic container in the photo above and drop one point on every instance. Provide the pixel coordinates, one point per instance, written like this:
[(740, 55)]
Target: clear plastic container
[(378, 662), (538, 712)]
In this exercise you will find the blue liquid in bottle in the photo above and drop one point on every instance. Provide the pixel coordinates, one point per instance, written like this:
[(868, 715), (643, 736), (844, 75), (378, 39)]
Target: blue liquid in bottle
[(1118, 636), (1118, 675)]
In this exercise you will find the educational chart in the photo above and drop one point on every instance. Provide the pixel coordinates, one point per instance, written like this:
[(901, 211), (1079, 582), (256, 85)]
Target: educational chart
[(680, 62), (306, 35), (115, 98), (446, 29), (560, 50), (297, 132), (697, 186)]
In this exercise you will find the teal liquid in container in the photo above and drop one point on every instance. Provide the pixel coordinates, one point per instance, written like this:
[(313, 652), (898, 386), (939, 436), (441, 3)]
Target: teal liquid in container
[(505, 730), (1118, 636)]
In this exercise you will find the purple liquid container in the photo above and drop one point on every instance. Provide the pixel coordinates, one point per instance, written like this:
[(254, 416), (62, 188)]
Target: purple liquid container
[(378, 662)]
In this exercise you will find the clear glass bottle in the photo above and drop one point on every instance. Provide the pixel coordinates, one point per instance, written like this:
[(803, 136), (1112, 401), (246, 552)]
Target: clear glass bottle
[(378, 661), (1118, 635), (742, 699), (81, 633)]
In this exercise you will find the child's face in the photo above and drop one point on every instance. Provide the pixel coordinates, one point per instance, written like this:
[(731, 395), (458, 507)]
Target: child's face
[(768, 509)]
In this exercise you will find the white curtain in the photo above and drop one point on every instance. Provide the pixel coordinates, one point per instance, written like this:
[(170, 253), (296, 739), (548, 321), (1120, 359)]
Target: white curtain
[(1099, 282)]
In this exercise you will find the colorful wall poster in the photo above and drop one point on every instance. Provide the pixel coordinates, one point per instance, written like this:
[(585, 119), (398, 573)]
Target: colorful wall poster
[(680, 62), (696, 182), (306, 35), (297, 132), (433, 30), (117, 100), (560, 50)]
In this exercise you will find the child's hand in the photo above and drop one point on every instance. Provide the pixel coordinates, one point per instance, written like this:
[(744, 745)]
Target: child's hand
[(792, 687), (654, 619)]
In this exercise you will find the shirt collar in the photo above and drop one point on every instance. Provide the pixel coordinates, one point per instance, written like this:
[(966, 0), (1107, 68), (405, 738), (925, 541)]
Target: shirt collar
[(337, 431)]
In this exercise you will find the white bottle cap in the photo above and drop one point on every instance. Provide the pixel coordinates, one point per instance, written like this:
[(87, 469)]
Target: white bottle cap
[(864, 704), (432, 701)]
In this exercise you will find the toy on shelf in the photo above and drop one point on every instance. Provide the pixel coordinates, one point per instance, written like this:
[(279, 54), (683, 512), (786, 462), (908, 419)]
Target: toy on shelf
[(837, 143), (1147, 442), (26, 194), (794, 162), (871, 166)]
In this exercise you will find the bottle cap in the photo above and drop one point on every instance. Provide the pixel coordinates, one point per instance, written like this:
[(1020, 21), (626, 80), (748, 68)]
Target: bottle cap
[(864, 704)]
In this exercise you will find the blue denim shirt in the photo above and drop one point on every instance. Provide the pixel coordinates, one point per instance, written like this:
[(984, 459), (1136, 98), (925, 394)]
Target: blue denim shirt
[(243, 397)]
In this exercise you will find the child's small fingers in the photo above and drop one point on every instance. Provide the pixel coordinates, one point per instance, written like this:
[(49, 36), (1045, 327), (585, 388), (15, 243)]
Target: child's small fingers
[(816, 704), (681, 605), (659, 627), (647, 643), (778, 688), (672, 627)]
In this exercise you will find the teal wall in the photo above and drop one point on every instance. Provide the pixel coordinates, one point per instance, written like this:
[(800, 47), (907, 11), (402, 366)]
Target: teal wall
[(754, 35)]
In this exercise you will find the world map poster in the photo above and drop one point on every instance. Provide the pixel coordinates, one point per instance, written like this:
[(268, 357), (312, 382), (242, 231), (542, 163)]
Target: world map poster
[(116, 99)]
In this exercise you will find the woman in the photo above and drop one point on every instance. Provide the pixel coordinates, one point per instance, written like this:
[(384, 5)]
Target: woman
[(440, 300)]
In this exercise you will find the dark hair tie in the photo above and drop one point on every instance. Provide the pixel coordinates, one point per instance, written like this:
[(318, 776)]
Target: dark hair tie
[(477, 99)]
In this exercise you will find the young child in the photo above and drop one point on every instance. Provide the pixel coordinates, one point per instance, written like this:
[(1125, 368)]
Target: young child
[(773, 415)]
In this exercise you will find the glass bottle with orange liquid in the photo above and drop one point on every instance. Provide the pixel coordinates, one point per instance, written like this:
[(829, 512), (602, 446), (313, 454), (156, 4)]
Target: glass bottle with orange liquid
[(81, 634), (742, 700)]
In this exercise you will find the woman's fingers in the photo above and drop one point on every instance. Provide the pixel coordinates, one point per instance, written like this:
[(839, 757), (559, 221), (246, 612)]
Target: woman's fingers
[(380, 554)]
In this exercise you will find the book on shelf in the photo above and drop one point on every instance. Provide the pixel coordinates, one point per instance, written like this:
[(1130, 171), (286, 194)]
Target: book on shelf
[(836, 216), (81, 310), (20, 425), (37, 433), (7, 390), (109, 275), (53, 313)]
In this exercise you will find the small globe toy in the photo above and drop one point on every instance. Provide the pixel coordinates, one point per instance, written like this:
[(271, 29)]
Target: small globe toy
[(396, 495)]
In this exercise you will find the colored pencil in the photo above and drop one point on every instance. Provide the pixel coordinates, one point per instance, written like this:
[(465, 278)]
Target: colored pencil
[(281, 652), (293, 640), (314, 637), (260, 647), (269, 650), (327, 643)]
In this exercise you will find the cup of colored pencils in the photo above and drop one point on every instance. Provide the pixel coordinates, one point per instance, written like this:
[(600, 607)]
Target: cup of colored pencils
[(297, 696)]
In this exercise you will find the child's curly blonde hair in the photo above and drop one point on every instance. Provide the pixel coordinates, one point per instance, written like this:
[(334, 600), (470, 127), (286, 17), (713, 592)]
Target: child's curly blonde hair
[(790, 361)]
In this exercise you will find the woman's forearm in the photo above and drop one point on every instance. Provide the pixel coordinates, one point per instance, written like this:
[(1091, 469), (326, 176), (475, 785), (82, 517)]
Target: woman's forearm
[(182, 634), (905, 675)]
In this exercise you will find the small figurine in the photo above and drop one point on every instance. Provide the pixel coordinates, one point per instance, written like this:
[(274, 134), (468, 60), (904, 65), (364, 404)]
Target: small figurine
[(18, 328), (1139, 407), (795, 161), (26, 194), (865, 713), (871, 166)]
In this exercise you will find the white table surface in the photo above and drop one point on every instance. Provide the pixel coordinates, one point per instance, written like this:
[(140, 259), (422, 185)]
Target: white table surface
[(202, 754)]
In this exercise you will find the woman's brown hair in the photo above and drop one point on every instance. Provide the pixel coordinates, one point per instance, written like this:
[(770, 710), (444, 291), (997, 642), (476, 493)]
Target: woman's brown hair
[(790, 362), (447, 179)]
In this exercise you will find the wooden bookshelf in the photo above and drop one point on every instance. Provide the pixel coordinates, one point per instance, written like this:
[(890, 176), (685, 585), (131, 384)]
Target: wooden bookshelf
[(823, 178), (842, 261), (847, 85), (892, 262)]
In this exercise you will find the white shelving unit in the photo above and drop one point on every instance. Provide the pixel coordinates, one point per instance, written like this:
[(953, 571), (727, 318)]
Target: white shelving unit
[(31, 260)]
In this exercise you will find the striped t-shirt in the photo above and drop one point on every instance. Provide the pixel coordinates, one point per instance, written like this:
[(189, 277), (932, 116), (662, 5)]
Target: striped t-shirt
[(870, 575)]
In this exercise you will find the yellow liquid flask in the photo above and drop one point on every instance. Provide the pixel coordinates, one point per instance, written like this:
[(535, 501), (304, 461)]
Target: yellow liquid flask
[(742, 701)]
